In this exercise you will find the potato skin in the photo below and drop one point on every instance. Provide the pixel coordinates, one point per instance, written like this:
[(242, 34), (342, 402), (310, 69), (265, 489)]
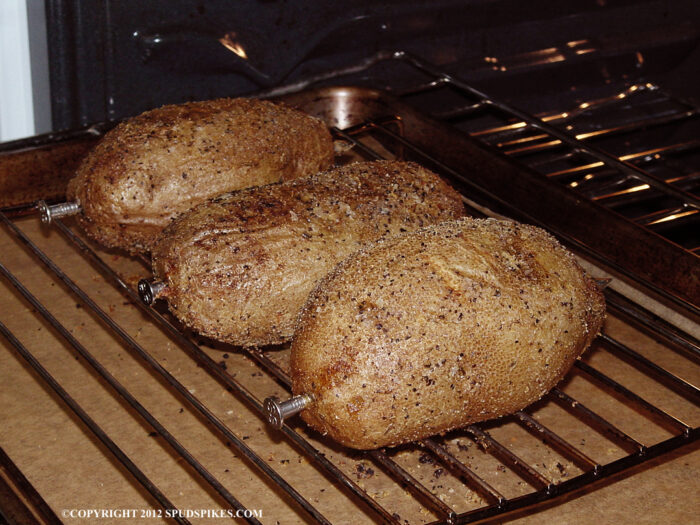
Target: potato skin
[(159, 164), (440, 328), (240, 267)]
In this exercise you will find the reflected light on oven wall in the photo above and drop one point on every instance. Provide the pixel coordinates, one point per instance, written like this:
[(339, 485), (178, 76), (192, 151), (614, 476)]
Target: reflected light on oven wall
[(548, 55), (230, 43), (580, 47)]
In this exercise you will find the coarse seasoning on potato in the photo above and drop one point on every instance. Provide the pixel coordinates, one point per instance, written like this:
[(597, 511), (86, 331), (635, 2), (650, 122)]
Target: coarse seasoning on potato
[(161, 163), (440, 328), (240, 267)]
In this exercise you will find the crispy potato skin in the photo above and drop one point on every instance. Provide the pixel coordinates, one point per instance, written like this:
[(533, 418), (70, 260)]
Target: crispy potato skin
[(429, 331), (159, 164), (240, 267)]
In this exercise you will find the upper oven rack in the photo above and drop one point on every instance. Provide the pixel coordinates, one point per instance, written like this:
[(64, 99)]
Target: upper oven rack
[(375, 139), (626, 169)]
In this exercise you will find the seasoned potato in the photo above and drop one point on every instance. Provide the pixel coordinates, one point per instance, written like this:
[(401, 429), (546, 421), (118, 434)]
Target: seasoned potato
[(433, 330), (161, 163), (240, 267)]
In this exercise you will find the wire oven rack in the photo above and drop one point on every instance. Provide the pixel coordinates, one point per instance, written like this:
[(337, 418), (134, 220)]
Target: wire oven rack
[(621, 150), (578, 453)]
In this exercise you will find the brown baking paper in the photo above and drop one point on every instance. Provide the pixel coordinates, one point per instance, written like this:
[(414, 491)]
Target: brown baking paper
[(74, 472)]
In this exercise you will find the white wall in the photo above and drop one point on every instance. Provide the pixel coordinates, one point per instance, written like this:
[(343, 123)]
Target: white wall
[(24, 90)]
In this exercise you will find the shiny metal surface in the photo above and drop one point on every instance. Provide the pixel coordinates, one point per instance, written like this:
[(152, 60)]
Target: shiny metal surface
[(150, 289), (277, 411), (47, 213)]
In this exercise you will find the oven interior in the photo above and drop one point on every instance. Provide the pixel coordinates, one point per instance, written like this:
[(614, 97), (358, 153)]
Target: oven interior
[(593, 137)]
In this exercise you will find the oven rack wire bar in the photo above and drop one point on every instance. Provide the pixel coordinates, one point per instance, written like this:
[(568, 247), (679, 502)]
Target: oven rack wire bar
[(221, 375), (506, 456), (652, 323), (640, 157), (378, 456), (677, 383), (140, 352), (117, 452), (540, 143), (121, 390), (508, 137), (674, 424), (422, 492), (557, 116), (622, 439), (592, 180), (19, 500), (476, 482), (577, 144), (550, 138), (571, 485), (441, 78), (495, 448)]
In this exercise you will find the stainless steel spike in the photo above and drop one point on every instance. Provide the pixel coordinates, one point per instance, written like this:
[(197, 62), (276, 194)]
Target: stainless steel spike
[(277, 411), (150, 289), (47, 213)]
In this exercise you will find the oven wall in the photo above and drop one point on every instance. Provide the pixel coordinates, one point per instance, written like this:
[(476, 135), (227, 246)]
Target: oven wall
[(109, 59)]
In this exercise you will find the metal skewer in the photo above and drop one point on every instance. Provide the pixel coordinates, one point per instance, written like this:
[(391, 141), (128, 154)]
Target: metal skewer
[(55, 211), (277, 411), (150, 289)]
